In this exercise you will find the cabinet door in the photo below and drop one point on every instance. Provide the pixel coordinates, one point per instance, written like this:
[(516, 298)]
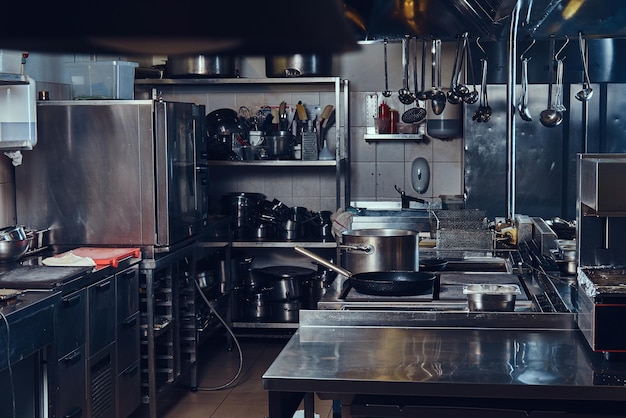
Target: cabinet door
[(71, 392), (128, 390), (127, 341), (70, 326), (101, 315), (127, 283)]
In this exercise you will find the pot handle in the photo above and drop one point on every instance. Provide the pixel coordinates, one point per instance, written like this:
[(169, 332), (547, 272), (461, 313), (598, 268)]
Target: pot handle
[(292, 72), (322, 261), (366, 249)]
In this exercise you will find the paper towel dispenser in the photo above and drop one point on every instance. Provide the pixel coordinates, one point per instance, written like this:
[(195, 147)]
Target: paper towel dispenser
[(18, 113)]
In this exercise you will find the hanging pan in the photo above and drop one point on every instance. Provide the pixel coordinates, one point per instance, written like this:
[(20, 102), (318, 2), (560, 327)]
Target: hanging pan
[(385, 283)]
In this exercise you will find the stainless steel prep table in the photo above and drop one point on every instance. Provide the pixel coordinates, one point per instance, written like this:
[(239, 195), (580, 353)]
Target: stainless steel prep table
[(347, 353)]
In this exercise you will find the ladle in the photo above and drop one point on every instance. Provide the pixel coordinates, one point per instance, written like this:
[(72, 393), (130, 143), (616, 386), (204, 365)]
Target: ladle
[(587, 92), (422, 95), (452, 95), (472, 97), (438, 97), (522, 105), (550, 117), (459, 88), (404, 94), (386, 92)]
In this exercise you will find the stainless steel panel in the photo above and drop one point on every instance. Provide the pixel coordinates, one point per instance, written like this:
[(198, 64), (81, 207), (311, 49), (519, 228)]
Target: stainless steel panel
[(602, 178), (90, 178), (108, 172), (539, 164)]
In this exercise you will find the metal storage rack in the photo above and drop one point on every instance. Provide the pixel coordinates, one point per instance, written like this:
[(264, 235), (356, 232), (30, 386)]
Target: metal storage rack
[(341, 163), (337, 85), (171, 329)]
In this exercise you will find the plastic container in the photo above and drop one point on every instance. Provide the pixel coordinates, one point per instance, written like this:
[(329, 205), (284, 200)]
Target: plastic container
[(94, 80), (406, 128), (10, 61)]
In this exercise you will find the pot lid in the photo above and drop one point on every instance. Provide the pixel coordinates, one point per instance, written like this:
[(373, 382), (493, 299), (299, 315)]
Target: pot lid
[(285, 272)]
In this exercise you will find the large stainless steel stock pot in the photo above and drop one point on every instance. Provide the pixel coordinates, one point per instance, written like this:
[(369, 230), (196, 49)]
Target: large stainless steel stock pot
[(366, 250)]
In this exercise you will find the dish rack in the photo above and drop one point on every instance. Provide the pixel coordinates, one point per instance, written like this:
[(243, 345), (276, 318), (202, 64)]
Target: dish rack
[(39, 239)]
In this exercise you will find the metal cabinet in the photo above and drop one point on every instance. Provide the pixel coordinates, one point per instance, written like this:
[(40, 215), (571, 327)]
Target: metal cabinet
[(101, 317), (67, 376)]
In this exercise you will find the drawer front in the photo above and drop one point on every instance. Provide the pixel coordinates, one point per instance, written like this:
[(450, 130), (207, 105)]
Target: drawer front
[(128, 341), (127, 292), (70, 326), (101, 315), (101, 384), (128, 390), (71, 394)]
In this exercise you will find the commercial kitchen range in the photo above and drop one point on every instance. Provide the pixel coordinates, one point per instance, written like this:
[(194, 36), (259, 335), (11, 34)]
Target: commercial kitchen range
[(560, 351)]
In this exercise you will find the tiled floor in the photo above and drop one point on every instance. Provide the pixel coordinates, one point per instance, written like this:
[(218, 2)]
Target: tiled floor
[(216, 366)]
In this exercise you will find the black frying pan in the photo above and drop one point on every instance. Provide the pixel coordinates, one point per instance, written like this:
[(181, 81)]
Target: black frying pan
[(384, 283), (433, 264)]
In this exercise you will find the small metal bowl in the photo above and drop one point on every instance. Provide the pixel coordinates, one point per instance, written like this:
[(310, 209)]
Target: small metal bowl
[(12, 250), (491, 297), (12, 233)]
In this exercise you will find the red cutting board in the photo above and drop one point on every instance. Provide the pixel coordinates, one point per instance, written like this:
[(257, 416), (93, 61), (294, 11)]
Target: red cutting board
[(107, 256)]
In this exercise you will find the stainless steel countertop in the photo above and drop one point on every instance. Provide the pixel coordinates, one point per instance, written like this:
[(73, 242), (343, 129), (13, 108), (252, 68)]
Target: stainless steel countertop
[(345, 352)]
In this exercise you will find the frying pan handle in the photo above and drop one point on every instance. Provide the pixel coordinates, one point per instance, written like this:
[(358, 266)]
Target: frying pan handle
[(322, 261)]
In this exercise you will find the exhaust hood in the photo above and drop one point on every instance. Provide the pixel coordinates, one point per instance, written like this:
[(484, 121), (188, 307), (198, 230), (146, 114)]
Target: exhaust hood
[(444, 19), (488, 19)]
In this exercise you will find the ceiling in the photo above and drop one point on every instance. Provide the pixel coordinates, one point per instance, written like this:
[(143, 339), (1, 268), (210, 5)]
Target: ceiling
[(165, 27)]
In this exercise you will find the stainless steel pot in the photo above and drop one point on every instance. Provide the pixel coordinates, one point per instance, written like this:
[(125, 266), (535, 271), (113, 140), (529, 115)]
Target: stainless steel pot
[(298, 65), (369, 250), (285, 281), (279, 145), (179, 66), (256, 305), (286, 311)]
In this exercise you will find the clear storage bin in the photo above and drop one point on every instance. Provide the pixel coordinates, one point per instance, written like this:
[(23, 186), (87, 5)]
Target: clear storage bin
[(102, 79)]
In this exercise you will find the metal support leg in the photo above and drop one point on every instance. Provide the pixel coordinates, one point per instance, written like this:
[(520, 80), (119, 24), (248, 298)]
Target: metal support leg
[(284, 404), (309, 405)]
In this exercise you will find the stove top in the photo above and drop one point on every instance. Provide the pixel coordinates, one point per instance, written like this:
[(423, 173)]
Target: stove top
[(447, 294), (448, 286)]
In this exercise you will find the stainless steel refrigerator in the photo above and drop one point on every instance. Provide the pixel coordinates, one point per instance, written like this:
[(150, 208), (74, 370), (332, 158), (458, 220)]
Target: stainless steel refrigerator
[(116, 172)]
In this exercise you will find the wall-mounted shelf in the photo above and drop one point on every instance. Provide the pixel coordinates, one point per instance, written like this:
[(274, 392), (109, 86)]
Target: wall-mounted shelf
[(276, 163), (235, 81), (393, 137)]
